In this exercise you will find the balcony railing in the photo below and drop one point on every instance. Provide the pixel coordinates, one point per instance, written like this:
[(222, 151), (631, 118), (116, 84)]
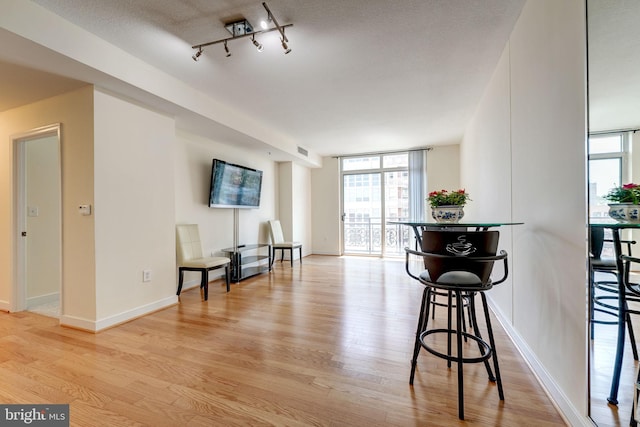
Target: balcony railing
[(365, 237)]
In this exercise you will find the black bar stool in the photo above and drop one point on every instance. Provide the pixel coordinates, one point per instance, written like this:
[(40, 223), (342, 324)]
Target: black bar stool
[(458, 263)]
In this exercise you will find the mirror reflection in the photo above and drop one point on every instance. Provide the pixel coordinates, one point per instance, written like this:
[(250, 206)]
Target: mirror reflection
[(614, 150)]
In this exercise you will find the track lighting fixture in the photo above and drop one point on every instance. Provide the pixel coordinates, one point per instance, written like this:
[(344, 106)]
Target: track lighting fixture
[(256, 44), (286, 48), (196, 56), (243, 28), (283, 38)]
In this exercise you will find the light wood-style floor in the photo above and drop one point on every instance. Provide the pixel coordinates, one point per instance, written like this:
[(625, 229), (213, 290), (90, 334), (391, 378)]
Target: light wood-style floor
[(602, 354), (327, 343), (603, 349)]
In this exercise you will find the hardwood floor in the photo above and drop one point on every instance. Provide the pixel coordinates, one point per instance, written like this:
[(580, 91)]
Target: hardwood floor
[(602, 354), (324, 343)]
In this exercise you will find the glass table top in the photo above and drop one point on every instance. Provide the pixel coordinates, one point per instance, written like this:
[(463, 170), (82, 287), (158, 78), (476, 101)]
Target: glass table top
[(458, 224), (606, 223)]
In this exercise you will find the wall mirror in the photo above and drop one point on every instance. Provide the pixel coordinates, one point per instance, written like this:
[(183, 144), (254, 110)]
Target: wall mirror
[(613, 36)]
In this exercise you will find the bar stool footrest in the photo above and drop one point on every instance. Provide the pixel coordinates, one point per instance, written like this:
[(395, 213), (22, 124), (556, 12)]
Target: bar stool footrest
[(485, 352)]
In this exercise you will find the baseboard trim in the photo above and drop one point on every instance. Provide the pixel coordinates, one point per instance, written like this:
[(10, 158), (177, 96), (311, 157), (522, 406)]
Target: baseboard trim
[(568, 411), (111, 321), (43, 300)]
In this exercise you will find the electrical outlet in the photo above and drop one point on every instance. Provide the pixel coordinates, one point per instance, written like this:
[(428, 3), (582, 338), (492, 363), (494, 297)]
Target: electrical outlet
[(146, 275)]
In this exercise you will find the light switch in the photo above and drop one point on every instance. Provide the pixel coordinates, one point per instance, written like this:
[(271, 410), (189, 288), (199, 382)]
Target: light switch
[(84, 209)]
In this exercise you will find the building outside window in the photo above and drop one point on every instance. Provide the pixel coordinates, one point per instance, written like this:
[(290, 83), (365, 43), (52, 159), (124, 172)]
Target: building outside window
[(375, 190)]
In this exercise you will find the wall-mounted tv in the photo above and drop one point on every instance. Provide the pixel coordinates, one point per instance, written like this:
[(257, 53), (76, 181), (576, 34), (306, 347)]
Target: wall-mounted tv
[(234, 186)]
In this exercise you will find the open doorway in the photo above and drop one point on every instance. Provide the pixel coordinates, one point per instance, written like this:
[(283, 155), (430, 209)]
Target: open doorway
[(38, 219)]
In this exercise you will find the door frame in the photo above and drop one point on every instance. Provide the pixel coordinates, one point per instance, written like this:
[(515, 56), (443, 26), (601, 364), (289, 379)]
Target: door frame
[(382, 213), (18, 299)]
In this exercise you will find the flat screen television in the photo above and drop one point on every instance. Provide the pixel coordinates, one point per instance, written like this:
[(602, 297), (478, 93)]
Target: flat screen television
[(234, 186)]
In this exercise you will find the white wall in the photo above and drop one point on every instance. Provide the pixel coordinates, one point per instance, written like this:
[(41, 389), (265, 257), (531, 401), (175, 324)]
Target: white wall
[(285, 193), (486, 171), (192, 164), (302, 211), (74, 111), (294, 204), (443, 168), (134, 209), (530, 131), (443, 172), (325, 198)]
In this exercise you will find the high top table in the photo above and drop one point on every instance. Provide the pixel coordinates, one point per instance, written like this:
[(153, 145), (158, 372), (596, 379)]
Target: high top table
[(419, 226), (615, 228)]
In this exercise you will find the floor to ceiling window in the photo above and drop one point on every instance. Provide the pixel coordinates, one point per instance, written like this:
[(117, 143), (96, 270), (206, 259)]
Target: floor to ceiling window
[(375, 190), (607, 169)]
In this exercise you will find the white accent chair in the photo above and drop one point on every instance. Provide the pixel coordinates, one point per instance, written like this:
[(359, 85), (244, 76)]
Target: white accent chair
[(189, 252), (278, 242)]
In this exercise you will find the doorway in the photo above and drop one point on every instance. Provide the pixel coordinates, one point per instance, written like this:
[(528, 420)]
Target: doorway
[(38, 219)]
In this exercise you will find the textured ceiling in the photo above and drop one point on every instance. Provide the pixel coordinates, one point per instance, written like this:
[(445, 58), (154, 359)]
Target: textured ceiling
[(363, 75), (614, 64)]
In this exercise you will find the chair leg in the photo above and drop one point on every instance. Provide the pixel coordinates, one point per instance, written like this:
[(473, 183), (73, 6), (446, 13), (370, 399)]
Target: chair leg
[(180, 279), (449, 326), (273, 258), (433, 301), (459, 356), (632, 338), (300, 254), (474, 322), (617, 366), (592, 311), (464, 322), (423, 318), (281, 255), (291, 256), (205, 284), (492, 343), (226, 275), (471, 295)]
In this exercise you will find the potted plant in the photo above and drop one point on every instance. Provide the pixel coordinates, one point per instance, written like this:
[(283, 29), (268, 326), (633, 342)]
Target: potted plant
[(448, 206), (625, 203)]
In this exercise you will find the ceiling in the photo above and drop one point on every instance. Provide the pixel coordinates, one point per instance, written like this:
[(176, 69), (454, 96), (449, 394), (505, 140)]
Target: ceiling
[(363, 75), (614, 64)]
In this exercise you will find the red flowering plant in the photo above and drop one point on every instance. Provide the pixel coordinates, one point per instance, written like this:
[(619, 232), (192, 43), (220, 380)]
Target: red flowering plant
[(628, 193), (448, 198)]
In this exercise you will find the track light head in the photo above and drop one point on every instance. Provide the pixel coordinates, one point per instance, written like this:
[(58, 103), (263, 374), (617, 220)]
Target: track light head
[(286, 48), (226, 49), (257, 44), (196, 56)]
